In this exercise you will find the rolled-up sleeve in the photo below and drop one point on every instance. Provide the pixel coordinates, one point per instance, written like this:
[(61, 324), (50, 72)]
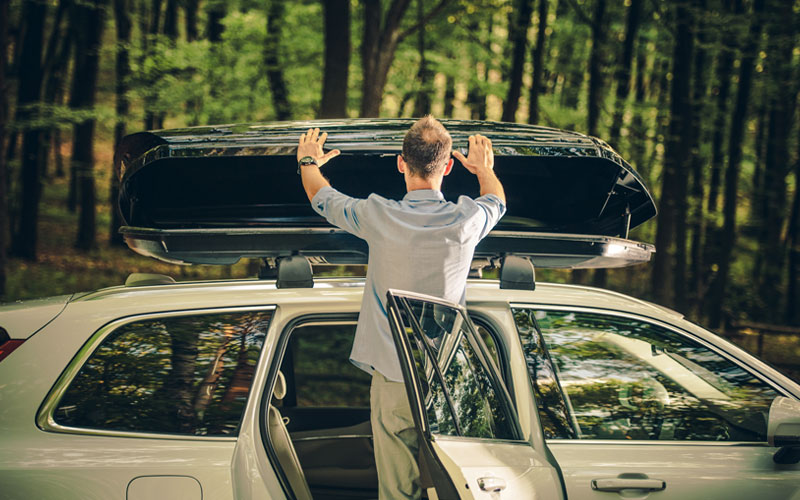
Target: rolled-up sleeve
[(341, 210), (493, 208)]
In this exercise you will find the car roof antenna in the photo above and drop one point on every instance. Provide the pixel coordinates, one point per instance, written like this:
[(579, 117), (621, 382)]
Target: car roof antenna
[(517, 273)]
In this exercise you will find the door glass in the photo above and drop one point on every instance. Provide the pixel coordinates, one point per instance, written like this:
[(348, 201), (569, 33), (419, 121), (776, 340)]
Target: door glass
[(178, 375), (460, 395), (632, 380)]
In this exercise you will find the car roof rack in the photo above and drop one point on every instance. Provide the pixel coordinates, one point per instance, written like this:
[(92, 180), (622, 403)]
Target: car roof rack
[(293, 271), (147, 279), (517, 273)]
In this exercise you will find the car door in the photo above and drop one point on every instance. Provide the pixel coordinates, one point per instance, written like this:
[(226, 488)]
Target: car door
[(470, 439), (634, 407)]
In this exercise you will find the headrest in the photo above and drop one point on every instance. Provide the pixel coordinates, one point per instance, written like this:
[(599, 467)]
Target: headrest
[(280, 387)]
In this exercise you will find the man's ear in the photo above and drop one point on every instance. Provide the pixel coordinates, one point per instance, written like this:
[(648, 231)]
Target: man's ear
[(449, 167), (401, 164)]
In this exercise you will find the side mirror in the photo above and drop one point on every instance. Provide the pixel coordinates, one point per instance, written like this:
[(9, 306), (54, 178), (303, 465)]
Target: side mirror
[(783, 430)]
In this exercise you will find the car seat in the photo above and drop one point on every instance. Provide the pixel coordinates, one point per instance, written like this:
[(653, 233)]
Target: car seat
[(282, 444)]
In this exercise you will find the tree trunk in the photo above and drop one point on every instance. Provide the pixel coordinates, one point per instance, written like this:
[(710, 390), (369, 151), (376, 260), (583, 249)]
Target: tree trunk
[(638, 143), (30, 86), (53, 68), (596, 62), (171, 20), (793, 289), (378, 45), (758, 210), (518, 37), (476, 98), (191, 7), (422, 101), (780, 44), (623, 72), (449, 95), (87, 50), (537, 56), (4, 227), (337, 59), (669, 284), (728, 239), (697, 160), (215, 12), (722, 91), (122, 21), (272, 48)]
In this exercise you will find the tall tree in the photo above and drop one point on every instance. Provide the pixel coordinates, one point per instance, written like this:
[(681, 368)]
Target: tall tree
[(728, 238), (596, 63), (780, 44), (272, 51), (622, 75), (724, 71), (518, 38), (122, 20), (378, 45), (191, 7), (669, 266), (537, 56), (422, 101), (3, 165), (87, 58), (792, 313), (30, 86), (337, 58)]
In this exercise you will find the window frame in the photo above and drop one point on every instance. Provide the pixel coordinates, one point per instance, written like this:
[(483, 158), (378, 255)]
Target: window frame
[(777, 387), (45, 418)]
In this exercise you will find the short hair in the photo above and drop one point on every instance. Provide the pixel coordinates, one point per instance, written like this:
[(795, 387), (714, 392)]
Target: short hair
[(427, 147)]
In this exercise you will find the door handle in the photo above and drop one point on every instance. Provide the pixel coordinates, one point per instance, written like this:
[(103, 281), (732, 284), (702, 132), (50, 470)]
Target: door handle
[(628, 483), (492, 484)]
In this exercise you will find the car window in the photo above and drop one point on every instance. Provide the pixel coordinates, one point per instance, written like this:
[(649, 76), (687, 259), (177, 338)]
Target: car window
[(318, 370), (186, 375), (465, 400), (628, 379)]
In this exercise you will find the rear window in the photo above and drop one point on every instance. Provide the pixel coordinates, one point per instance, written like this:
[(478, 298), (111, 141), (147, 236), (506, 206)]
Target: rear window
[(187, 375)]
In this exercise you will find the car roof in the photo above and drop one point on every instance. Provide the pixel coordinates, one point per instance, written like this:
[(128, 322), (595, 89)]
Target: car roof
[(253, 292)]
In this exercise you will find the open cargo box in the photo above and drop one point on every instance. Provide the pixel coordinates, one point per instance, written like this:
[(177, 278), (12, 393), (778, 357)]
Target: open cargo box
[(212, 195)]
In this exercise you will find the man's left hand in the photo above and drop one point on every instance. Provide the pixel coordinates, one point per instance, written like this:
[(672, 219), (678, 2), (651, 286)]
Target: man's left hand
[(311, 145)]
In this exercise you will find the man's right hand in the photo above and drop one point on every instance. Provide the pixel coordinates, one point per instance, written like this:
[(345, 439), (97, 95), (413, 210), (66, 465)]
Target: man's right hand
[(480, 155)]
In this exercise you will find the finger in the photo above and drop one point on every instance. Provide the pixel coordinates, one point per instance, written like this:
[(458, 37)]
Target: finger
[(471, 142), (331, 154), (458, 156), (323, 138), (302, 138), (315, 135)]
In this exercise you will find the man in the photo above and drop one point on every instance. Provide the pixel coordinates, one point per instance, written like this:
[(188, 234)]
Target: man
[(422, 244)]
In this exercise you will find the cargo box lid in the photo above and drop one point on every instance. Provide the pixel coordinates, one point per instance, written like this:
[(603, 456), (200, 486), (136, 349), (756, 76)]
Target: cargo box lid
[(216, 194)]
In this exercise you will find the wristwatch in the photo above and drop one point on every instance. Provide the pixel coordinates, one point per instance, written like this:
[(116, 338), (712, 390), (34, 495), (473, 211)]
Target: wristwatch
[(305, 161)]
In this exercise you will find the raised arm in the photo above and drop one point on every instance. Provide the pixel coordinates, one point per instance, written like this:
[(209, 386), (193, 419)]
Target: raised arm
[(310, 146), (480, 161)]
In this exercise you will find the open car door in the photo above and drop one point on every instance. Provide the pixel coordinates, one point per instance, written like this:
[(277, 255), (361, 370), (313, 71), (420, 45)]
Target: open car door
[(471, 444)]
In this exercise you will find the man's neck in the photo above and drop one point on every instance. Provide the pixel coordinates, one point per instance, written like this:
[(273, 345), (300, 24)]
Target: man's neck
[(414, 183)]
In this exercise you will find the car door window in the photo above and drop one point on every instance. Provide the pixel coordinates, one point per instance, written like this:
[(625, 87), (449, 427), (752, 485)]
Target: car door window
[(461, 398), (628, 379), (188, 375)]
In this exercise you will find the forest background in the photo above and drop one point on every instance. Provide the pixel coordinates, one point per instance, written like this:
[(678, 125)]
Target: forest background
[(701, 96)]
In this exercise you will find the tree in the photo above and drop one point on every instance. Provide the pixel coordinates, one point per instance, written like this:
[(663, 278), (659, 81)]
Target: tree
[(123, 23), (596, 62), (669, 275), (337, 58), (728, 238), (622, 75), (518, 38), (3, 165), (30, 86), (272, 49), (90, 16), (378, 45), (537, 56)]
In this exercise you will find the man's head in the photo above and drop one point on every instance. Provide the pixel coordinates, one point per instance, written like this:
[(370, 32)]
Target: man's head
[(426, 149)]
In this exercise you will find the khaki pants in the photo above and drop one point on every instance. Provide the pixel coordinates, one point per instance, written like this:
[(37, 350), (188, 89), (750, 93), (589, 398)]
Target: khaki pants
[(395, 439)]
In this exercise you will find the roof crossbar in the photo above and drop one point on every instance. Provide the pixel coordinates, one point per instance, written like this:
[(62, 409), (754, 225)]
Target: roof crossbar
[(517, 273)]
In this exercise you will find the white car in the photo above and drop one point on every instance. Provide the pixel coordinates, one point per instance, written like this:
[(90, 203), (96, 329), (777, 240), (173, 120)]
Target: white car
[(242, 389)]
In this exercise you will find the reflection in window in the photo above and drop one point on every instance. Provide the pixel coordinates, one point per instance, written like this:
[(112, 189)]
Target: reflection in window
[(180, 375), (318, 370), (627, 379), (468, 404)]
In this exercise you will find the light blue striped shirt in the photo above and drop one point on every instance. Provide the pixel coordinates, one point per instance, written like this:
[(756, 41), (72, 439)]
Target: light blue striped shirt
[(421, 244)]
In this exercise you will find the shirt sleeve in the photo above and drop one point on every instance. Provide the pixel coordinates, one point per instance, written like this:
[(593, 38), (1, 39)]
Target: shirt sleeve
[(342, 211), (493, 208)]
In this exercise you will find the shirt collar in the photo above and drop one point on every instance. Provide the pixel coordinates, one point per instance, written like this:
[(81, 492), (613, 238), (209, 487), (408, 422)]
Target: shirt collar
[(424, 195)]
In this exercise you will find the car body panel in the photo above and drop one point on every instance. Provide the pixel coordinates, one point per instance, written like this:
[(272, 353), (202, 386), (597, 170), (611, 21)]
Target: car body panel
[(23, 318)]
